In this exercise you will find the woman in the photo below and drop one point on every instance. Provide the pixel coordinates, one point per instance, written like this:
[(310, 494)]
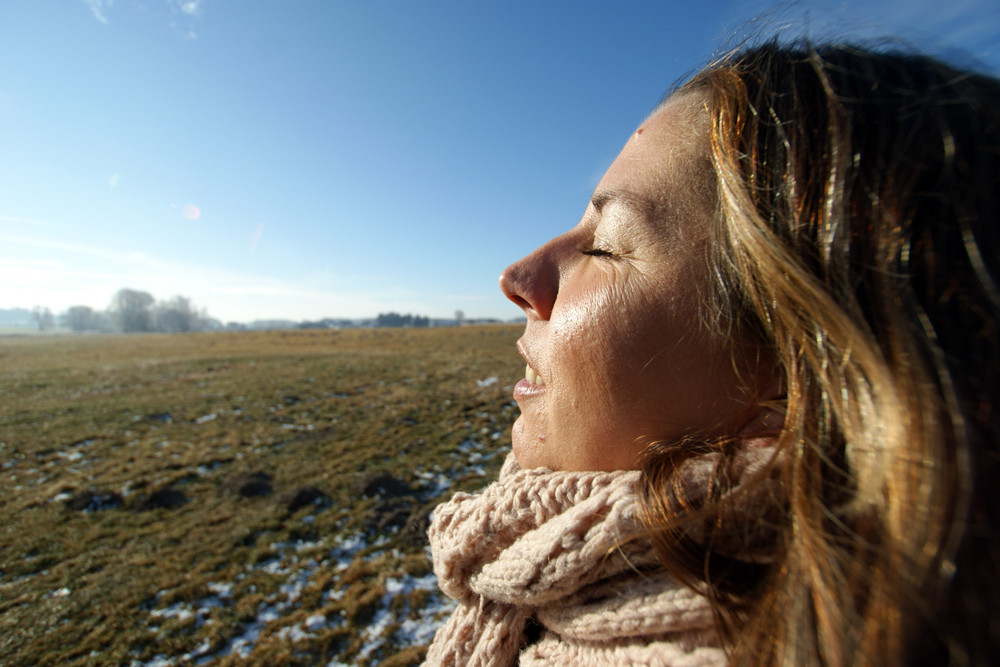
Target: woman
[(759, 421)]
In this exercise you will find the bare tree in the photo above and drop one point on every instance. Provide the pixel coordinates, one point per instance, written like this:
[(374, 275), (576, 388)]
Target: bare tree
[(80, 318), (130, 310), (176, 315), (43, 318)]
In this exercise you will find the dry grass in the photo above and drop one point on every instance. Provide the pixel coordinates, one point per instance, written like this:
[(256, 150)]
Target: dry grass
[(148, 489)]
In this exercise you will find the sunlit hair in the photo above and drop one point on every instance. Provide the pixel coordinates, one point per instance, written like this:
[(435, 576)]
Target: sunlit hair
[(859, 244)]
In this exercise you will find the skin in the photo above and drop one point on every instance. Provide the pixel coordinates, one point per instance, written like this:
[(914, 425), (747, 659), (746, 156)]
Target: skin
[(613, 313)]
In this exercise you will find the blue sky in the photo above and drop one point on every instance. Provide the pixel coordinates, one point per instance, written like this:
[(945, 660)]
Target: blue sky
[(317, 159)]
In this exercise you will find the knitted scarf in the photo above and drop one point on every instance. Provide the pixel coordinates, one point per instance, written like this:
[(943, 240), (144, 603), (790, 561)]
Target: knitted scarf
[(560, 550)]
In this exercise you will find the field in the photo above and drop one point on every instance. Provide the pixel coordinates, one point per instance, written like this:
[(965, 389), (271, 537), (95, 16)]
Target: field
[(238, 498)]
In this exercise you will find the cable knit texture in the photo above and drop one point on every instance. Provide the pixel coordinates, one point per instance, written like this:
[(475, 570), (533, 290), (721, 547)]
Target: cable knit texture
[(560, 548)]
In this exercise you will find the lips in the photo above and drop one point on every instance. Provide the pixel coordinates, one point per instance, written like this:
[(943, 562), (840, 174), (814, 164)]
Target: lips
[(532, 384)]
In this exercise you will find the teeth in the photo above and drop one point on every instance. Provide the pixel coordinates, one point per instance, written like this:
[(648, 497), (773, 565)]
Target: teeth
[(532, 376)]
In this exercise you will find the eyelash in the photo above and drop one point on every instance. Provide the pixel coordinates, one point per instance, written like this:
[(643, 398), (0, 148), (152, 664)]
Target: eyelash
[(597, 252)]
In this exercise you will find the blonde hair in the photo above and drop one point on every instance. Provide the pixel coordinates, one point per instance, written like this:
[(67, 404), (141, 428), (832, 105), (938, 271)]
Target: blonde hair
[(859, 243)]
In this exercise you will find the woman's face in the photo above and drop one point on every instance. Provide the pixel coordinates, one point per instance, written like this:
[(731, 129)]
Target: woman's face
[(617, 354)]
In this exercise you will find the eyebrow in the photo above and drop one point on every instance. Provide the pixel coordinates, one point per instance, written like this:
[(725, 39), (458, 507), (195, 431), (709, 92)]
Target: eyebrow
[(640, 205)]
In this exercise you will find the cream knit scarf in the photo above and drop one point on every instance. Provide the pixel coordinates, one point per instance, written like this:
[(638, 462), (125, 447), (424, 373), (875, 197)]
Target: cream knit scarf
[(554, 547)]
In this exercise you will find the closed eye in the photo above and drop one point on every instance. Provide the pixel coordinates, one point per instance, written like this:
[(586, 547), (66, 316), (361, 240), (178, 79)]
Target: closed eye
[(597, 252)]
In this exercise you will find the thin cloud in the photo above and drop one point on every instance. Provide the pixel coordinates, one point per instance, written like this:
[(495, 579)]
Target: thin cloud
[(460, 298), (59, 282), (256, 290), (28, 264), (13, 219), (124, 257), (191, 7), (98, 7)]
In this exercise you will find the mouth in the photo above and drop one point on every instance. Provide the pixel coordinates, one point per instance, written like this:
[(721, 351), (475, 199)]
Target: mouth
[(533, 384), (532, 376)]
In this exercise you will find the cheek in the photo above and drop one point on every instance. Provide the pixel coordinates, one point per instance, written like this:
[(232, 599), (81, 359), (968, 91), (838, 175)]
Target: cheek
[(584, 365), (608, 341), (666, 352)]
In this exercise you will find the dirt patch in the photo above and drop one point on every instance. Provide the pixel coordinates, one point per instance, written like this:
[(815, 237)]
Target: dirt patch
[(248, 485)]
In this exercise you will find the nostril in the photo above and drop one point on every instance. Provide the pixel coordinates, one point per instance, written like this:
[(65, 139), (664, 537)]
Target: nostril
[(527, 289), (509, 288), (518, 301), (533, 282)]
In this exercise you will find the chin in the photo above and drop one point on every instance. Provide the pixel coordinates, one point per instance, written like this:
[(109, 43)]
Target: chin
[(526, 456), (516, 443)]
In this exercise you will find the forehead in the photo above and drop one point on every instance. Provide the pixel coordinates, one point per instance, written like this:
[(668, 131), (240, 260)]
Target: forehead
[(666, 160)]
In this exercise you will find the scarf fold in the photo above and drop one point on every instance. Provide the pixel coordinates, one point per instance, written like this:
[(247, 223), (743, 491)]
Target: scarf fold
[(565, 549)]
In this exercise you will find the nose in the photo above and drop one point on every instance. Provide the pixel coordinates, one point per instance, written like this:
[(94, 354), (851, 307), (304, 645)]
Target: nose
[(532, 283)]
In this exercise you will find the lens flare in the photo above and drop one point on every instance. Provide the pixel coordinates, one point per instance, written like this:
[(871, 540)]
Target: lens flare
[(191, 212), (255, 237)]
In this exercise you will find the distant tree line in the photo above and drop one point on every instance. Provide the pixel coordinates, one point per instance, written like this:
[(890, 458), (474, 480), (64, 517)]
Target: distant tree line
[(136, 311), (132, 311), (327, 323), (397, 320)]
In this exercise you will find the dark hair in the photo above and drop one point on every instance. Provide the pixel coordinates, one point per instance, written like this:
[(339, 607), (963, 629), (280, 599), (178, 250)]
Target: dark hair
[(859, 242)]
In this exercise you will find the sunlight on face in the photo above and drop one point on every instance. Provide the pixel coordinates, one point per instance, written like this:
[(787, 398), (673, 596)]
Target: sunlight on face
[(616, 354)]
